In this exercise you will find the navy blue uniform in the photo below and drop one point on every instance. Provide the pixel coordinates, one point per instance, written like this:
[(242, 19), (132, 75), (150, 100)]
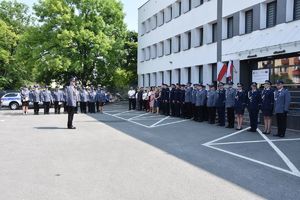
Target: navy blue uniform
[(254, 104), (220, 104), (240, 102), (267, 102), (172, 101), (177, 95), (165, 98)]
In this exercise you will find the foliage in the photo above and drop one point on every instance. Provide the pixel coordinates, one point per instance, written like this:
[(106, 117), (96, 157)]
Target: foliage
[(82, 38), (14, 19)]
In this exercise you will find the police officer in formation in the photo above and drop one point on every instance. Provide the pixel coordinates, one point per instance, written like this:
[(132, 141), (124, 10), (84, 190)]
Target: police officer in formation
[(240, 105), (254, 103), (25, 95), (267, 106), (57, 98), (188, 101), (36, 98), (101, 99), (229, 104), (211, 103), (83, 100), (172, 100), (220, 104), (282, 98), (47, 99), (92, 100)]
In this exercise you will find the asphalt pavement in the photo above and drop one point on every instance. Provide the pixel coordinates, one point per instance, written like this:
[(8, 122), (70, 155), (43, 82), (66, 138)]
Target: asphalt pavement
[(132, 155)]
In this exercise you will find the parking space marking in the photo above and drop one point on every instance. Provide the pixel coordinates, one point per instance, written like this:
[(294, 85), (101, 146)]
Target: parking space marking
[(138, 116), (116, 116), (134, 117), (255, 141), (281, 154), (153, 125), (294, 171), (176, 122)]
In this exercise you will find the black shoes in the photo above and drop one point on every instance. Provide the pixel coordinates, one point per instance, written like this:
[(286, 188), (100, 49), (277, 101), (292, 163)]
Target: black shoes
[(278, 135), (251, 130), (71, 127)]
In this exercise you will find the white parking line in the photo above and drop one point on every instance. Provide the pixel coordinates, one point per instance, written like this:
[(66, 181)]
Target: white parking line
[(281, 154), (138, 116), (153, 125), (294, 171), (116, 116), (171, 123), (255, 141)]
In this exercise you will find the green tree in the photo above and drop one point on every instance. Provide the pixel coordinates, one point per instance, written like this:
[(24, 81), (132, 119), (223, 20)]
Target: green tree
[(82, 38), (14, 20)]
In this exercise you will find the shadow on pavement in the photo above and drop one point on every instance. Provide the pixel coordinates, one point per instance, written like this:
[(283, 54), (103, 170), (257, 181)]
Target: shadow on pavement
[(184, 141), (50, 128)]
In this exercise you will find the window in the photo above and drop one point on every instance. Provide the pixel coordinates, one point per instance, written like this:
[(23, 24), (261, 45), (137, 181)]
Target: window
[(179, 43), (189, 75), (201, 36), (214, 72), (143, 28), (200, 80), (143, 58), (154, 51), (230, 27), (179, 7), (179, 75), (190, 5), (170, 46), (11, 95), (214, 33), (160, 49), (271, 14), (249, 21), (189, 37), (171, 12), (296, 9)]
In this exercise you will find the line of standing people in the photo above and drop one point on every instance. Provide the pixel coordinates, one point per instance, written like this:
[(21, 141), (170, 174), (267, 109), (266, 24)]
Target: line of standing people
[(217, 103)]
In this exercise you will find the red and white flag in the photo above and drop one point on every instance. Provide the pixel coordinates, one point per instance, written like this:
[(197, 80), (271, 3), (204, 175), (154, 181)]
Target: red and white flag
[(223, 70), (229, 71)]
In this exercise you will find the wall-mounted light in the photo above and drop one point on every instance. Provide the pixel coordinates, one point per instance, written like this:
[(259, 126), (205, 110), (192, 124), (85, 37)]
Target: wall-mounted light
[(279, 52), (252, 56)]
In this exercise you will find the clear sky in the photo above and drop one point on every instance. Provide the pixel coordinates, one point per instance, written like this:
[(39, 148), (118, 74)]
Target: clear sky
[(130, 8)]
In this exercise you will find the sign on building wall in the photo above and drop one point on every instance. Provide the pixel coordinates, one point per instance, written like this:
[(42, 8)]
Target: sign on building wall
[(260, 76)]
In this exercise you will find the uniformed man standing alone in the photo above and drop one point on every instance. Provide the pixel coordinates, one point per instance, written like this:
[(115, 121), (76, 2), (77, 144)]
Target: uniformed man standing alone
[(282, 99), (254, 103), (71, 100), (229, 103)]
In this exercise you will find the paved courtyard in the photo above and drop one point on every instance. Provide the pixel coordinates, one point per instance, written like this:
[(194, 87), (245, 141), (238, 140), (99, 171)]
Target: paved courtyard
[(132, 155)]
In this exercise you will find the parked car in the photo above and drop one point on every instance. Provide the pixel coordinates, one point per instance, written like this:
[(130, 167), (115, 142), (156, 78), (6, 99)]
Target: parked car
[(11, 100)]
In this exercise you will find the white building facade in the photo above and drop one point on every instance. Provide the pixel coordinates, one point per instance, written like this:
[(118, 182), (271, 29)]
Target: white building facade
[(182, 41)]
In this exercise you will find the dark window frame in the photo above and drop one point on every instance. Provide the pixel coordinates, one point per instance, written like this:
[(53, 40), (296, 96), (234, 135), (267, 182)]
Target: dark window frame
[(272, 23), (230, 27), (247, 17)]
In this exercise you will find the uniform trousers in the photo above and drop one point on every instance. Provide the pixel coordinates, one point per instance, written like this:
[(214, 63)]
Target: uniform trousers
[(97, 106), (197, 113), (211, 115), (83, 107), (56, 107), (173, 113), (166, 108), (132, 104), (177, 109), (281, 123), (253, 114), (71, 111), (36, 108), (201, 113), (46, 107), (230, 117), (221, 115), (92, 107)]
